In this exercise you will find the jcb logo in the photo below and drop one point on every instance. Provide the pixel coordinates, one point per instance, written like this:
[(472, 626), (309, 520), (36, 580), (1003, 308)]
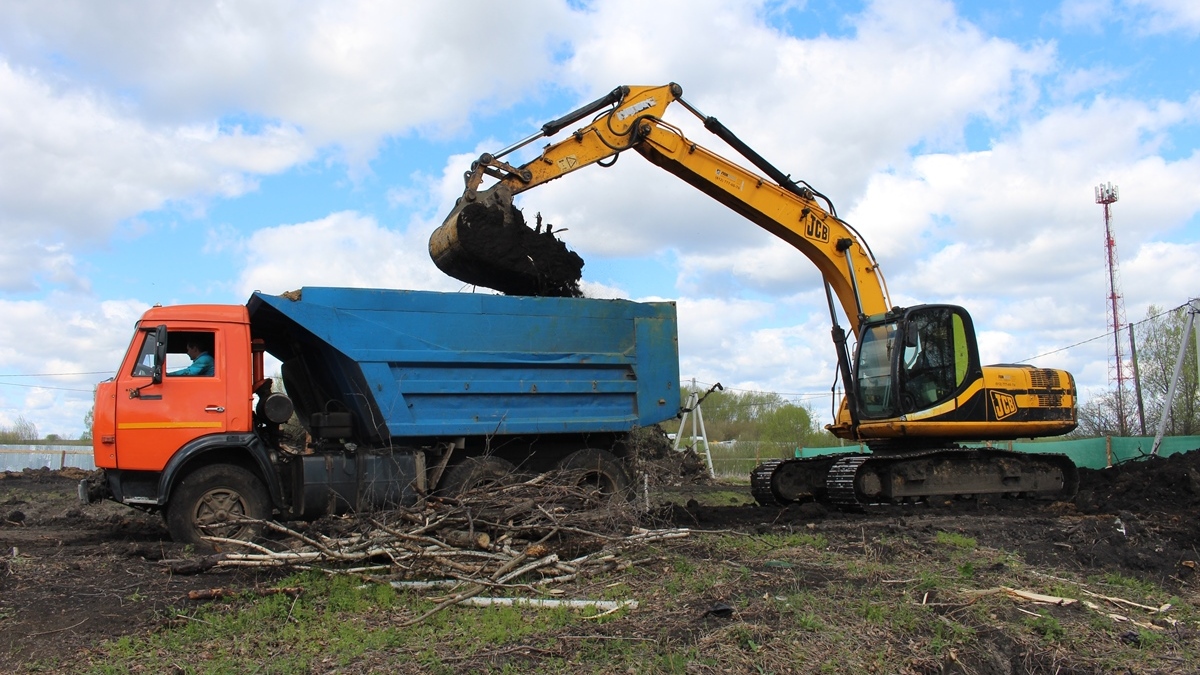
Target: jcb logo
[(1003, 404), (815, 229)]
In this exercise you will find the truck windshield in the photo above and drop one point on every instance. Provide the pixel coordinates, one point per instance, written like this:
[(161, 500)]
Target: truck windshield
[(144, 366), (875, 370)]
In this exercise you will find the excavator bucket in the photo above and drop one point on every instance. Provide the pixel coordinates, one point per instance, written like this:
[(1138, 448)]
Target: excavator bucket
[(485, 242)]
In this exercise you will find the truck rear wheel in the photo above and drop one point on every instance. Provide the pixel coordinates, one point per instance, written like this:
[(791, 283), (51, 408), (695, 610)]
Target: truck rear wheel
[(478, 472), (206, 499), (597, 469)]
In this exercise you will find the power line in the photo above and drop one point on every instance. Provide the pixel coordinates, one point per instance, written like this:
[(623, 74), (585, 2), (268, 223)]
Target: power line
[(787, 396), (39, 386), (1104, 336), (90, 372)]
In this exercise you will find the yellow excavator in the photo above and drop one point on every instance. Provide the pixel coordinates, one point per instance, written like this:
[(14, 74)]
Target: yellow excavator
[(915, 388)]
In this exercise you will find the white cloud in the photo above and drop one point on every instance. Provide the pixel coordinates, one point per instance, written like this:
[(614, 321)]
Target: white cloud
[(85, 163), (1144, 16), (1020, 220), (592, 289), (1165, 16), (1090, 15), (24, 264), (115, 113), (725, 341), (66, 333), (347, 73), (342, 249), (833, 111)]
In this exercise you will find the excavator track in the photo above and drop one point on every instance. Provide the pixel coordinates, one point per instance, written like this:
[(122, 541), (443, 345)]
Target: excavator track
[(787, 481), (856, 481)]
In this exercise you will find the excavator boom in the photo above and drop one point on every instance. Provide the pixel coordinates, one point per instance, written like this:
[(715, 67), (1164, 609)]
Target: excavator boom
[(474, 242)]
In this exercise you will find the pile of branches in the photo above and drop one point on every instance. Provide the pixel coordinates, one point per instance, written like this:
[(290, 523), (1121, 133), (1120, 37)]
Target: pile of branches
[(535, 534)]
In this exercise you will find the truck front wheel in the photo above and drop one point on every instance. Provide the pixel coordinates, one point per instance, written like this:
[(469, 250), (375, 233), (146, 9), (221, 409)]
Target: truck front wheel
[(206, 500)]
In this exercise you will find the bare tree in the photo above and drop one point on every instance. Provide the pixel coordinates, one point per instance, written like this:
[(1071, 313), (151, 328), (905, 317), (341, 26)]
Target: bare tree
[(21, 431), (1158, 338)]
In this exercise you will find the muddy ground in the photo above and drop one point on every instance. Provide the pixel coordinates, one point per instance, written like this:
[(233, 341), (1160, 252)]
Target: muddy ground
[(72, 577)]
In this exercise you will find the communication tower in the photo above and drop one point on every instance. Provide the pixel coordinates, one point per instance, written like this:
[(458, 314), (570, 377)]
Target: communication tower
[(1106, 195)]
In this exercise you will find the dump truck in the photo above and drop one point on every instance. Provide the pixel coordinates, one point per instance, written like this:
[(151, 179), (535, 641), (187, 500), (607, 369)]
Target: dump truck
[(400, 394)]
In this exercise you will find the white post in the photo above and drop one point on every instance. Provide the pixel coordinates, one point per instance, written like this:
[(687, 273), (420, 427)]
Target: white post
[(692, 407), (704, 435), (687, 410), (1193, 310)]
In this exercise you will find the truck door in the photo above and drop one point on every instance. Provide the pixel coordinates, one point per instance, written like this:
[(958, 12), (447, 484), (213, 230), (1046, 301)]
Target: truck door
[(155, 420)]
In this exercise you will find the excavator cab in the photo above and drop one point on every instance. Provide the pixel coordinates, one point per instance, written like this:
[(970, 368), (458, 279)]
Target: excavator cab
[(914, 359)]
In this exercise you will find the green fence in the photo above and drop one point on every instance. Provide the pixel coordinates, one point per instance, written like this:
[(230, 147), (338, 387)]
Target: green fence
[(1091, 453), (1098, 453)]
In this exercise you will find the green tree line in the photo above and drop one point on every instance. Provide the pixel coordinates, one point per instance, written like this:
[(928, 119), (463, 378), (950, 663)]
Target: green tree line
[(756, 416), (25, 432)]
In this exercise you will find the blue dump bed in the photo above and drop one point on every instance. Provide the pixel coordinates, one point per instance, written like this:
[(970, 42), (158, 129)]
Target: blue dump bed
[(413, 365)]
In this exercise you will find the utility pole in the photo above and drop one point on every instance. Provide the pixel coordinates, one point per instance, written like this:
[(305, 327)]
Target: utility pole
[(1137, 383)]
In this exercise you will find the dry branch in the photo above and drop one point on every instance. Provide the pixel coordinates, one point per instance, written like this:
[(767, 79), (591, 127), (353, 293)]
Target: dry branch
[(525, 535)]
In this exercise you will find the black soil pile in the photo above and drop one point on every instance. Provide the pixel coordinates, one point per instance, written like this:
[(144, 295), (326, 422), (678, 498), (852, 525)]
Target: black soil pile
[(1146, 485), (652, 453), (511, 257)]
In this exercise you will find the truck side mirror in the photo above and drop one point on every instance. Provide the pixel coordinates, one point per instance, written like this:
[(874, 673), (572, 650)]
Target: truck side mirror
[(160, 353), (911, 339)]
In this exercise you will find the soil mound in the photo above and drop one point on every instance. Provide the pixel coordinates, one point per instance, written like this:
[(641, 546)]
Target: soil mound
[(1145, 485)]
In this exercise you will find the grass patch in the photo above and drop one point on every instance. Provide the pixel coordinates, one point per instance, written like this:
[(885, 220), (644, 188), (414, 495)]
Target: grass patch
[(956, 540), (1048, 627)]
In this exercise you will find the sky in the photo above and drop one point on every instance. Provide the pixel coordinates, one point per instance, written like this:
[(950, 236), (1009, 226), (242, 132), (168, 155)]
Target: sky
[(167, 153)]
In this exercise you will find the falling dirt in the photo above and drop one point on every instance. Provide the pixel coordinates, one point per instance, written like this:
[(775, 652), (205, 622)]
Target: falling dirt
[(73, 576), (509, 256)]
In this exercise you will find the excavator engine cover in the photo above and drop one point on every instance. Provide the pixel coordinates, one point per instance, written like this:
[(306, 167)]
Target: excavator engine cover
[(491, 246)]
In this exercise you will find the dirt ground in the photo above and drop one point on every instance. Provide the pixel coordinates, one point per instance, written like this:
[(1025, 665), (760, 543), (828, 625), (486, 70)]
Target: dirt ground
[(72, 577)]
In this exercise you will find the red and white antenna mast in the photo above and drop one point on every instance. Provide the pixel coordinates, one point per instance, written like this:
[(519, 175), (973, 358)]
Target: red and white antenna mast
[(1106, 194)]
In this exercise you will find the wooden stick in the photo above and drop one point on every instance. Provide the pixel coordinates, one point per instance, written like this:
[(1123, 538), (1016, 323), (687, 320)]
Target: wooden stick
[(609, 605)]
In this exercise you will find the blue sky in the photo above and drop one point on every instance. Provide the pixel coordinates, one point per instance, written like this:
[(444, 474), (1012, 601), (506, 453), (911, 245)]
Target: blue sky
[(193, 153)]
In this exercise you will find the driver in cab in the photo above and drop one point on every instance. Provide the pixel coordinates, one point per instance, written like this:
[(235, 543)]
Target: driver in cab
[(202, 361)]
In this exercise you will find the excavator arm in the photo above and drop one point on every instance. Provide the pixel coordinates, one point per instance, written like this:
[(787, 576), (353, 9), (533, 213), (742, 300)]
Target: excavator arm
[(632, 120)]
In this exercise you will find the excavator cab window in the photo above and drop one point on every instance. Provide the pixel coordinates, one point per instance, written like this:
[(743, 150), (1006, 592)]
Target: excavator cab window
[(875, 370), (927, 369), (935, 363), (914, 361)]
